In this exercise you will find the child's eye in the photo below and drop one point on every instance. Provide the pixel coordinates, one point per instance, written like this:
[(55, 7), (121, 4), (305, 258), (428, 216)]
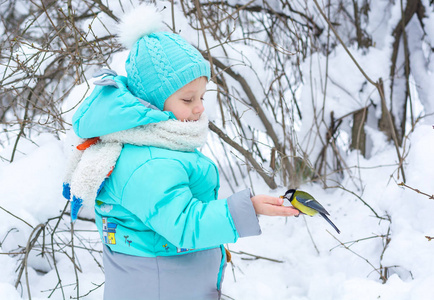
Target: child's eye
[(186, 100)]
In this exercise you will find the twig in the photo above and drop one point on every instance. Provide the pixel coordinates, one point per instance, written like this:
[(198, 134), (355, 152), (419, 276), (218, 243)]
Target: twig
[(23, 125), (224, 296), (229, 16), (81, 218), (172, 6), (88, 250), (30, 242), (346, 247), (15, 216), (9, 231), (257, 256), (13, 253), (431, 197), (106, 10), (360, 240), (363, 201), (253, 101), (386, 244), (53, 290), (343, 44), (97, 286), (222, 169), (268, 179), (310, 235), (73, 260), (200, 18), (52, 248)]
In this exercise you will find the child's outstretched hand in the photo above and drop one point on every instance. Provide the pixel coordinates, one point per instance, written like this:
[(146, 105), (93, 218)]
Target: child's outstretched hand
[(272, 206)]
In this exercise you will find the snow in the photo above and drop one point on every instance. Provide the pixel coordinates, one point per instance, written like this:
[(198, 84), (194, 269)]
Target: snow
[(31, 190), (7, 291)]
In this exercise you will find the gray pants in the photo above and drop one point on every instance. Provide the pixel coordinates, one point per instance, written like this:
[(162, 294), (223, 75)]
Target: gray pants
[(191, 276)]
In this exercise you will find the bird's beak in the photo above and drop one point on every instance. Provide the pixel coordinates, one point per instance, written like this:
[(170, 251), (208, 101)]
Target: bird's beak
[(281, 197)]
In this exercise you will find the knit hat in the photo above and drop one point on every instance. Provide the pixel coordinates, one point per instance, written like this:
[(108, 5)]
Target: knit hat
[(159, 63)]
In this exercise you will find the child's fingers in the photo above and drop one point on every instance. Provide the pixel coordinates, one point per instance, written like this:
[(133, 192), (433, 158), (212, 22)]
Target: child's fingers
[(277, 210), (283, 211), (272, 200), (272, 206)]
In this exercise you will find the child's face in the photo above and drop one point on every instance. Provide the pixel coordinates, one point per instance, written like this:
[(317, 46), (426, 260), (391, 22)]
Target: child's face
[(186, 103)]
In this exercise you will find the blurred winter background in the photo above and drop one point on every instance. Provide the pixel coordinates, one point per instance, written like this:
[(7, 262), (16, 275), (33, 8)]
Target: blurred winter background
[(330, 96)]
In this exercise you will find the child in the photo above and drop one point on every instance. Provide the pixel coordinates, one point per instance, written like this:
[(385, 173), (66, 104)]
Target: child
[(157, 212)]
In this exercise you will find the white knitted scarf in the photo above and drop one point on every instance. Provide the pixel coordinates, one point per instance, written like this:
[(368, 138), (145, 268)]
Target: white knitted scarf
[(88, 169)]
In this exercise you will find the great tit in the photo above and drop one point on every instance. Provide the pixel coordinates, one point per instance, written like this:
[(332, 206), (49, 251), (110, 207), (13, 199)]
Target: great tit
[(307, 205)]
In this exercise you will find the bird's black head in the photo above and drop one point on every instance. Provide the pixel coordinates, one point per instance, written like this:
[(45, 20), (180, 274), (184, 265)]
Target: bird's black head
[(289, 194)]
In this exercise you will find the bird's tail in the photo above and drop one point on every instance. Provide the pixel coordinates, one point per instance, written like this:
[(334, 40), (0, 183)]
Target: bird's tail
[(331, 223)]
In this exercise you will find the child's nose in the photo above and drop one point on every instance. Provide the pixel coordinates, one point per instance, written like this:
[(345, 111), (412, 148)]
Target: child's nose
[(199, 108)]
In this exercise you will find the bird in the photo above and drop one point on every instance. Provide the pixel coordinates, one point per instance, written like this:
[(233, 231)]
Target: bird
[(307, 205)]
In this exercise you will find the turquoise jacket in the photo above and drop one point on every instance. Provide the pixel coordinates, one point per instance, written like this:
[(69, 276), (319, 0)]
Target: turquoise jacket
[(158, 202), (163, 202)]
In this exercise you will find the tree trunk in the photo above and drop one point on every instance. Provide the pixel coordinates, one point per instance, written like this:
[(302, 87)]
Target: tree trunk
[(358, 134)]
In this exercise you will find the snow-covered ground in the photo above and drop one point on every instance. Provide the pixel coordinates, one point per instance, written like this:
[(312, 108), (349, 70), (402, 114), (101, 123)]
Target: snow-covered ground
[(298, 265)]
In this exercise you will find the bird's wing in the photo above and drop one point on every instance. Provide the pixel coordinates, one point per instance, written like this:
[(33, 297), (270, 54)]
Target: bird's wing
[(306, 199)]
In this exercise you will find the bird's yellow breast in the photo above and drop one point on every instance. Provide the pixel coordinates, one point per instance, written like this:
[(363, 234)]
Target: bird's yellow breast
[(303, 208)]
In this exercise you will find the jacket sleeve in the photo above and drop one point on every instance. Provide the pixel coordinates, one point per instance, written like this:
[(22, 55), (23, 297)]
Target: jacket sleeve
[(243, 214), (158, 193)]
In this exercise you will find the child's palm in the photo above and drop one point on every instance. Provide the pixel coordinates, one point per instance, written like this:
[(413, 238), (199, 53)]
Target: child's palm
[(272, 206)]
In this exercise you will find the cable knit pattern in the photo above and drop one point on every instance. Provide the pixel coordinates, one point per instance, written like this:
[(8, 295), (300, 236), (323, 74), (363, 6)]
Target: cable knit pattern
[(192, 52), (159, 59), (135, 82), (161, 63)]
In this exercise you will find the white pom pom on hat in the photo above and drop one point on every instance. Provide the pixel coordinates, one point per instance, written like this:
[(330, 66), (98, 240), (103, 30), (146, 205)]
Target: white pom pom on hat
[(140, 21)]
